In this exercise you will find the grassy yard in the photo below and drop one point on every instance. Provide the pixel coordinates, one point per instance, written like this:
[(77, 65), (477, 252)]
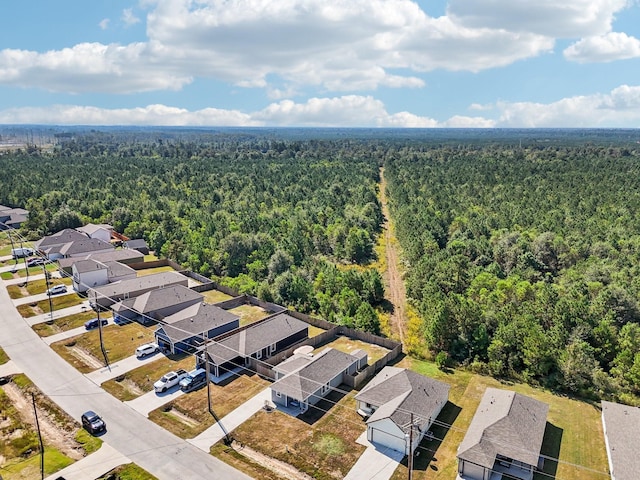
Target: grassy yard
[(249, 314), (46, 329), (140, 380), (348, 345), (21, 272), (215, 296), (35, 287), (314, 331), (130, 471), (188, 416), (321, 443), (58, 301), (4, 358), (83, 351), (151, 271), (574, 429)]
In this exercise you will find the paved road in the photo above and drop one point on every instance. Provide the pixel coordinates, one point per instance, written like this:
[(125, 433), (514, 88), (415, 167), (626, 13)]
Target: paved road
[(159, 452)]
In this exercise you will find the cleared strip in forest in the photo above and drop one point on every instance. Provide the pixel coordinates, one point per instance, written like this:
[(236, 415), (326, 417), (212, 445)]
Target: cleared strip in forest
[(396, 292)]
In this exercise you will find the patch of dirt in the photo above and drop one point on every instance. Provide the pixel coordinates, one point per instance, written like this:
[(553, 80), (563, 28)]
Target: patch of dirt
[(131, 386), (282, 469), (86, 357), (187, 420), (52, 433), (397, 293)]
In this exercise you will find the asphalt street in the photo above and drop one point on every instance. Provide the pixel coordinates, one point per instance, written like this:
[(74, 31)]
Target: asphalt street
[(130, 434)]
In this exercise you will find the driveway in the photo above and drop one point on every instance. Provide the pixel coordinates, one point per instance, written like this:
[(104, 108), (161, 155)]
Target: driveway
[(152, 400), (123, 366), (374, 463), (15, 281), (39, 297), (161, 453), (92, 466), (69, 333), (63, 312)]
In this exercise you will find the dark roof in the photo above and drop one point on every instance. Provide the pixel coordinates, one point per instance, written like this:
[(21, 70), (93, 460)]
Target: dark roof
[(622, 434), (195, 320), (255, 338), (85, 245), (162, 298), (115, 255), (319, 371), (135, 243), (505, 423), (59, 238), (134, 285), (397, 393), (91, 228)]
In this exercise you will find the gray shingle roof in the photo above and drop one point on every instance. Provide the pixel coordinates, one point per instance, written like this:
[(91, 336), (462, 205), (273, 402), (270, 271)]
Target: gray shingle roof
[(163, 298), (622, 433), (505, 423), (59, 238), (398, 393), (85, 245), (322, 368), (195, 320), (255, 338), (133, 285), (91, 228), (115, 255)]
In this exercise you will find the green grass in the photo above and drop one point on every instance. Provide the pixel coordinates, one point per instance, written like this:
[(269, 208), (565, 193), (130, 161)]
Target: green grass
[(45, 329), (249, 314), (130, 471), (348, 345), (215, 296), (20, 468), (4, 358), (89, 443), (59, 302)]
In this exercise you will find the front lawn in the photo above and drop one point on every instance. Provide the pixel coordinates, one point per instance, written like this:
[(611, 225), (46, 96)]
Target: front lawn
[(46, 329), (58, 301), (188, 415), (83, 351)]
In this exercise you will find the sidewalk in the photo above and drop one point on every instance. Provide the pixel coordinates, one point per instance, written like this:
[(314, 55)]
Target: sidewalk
[(233, 420), (92, 466), (374, 464), (15, 281), (9, 368)]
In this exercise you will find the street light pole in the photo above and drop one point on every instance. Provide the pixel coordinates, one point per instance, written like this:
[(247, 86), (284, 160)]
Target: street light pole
[(46, 279)]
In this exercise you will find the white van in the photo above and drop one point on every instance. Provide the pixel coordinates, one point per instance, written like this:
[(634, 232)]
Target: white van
[(22, 252)]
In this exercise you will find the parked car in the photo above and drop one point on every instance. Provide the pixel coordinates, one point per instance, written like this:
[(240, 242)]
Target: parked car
[(57, 290), (197, 378), (93, 323), (22, 252), (33, 261), (147, 349), (92, 422), (168, 380)]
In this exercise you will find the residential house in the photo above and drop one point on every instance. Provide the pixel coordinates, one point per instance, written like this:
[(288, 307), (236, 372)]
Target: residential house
[(92, 273), (505, 437), (137, 244), (400, 406), (155, 304), (126, 257), (303, 380), (255, 342), (12, 217), (101, 231), (622, 438), (107, 295), (51, 244), (81, 248), (186, 330)]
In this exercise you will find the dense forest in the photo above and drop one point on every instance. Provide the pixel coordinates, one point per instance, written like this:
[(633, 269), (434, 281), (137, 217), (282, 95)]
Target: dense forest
[(522, 257), (525, 262)]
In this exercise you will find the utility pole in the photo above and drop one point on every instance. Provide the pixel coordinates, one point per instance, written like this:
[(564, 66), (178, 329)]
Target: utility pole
[(46, 279), (104, 351), (410, 459), (227, 437), (35, 413)]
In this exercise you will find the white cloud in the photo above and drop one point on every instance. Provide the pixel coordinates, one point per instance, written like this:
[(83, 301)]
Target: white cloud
[(605, 48), (129, 18), (553, 18), (618, 108), (104, 23), (330, 45), (89, 67)]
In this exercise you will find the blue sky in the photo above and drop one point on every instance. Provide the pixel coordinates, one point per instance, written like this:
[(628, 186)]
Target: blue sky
[(349, 63)]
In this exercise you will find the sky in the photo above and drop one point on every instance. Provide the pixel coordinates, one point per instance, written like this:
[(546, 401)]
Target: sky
[(322, 63)]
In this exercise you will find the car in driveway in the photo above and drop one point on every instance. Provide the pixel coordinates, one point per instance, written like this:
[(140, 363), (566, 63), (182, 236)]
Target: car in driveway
[(33, 261), (93, 323), (197, 378), (147, 349), (58, 289), (92, 422), (169, 380)]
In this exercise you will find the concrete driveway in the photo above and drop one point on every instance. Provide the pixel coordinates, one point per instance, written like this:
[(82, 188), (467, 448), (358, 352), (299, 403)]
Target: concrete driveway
[(375, 463), (40, 296), (63, 312), (69, 333), (118, 368), (152, 400)]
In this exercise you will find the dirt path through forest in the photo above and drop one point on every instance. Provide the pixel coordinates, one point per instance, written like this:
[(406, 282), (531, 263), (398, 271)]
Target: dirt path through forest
[(396, 293)]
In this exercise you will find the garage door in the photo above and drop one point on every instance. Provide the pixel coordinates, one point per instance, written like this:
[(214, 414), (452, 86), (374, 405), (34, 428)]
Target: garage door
[(382, 437)]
